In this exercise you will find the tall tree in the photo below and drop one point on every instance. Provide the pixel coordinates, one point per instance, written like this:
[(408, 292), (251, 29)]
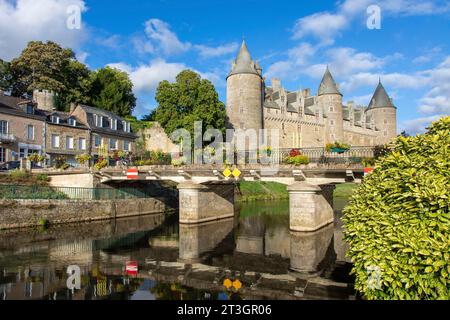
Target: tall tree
[(46, 65), (190, 98), (5, 76), (112, 90)]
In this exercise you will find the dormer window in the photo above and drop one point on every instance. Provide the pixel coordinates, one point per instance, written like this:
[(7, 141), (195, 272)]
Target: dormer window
[(72, 122), (30, 109), (55, 119), (113, 124)]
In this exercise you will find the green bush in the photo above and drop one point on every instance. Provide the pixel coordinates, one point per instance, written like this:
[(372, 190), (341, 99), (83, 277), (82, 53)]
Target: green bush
[(368, 162), (398, 220), (297, 160)]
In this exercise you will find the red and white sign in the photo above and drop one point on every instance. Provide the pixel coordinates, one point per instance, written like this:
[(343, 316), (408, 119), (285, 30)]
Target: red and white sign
[(131, 268), (132, 174), (367, 171)]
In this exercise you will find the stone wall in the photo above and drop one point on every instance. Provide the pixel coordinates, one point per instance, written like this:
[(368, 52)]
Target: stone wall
[(27, 213), (156, 139)]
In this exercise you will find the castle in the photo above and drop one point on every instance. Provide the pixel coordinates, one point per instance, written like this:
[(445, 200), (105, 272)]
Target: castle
[(305, 120)]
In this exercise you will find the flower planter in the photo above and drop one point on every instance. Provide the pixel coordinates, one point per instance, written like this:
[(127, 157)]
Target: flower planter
[(338, 150)]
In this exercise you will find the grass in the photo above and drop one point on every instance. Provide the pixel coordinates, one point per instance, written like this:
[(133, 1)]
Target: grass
[(22, 177), (255, 190), (344, 190)]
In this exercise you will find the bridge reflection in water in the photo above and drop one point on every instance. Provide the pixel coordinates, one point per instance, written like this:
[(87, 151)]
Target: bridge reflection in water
[(179, 261)]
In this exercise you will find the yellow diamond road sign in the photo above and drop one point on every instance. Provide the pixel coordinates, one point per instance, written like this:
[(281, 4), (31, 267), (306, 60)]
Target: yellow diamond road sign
[(236, 173), (227, 172)]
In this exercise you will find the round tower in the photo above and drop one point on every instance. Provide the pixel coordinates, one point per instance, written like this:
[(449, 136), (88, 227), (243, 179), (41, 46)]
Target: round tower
[(244, 93), (45, 99), (384, 113), (330, 101)]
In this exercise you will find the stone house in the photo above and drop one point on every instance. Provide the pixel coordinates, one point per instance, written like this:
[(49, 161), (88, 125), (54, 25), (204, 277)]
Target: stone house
[(66, 137), (34, 126), (156, 139), (108, 131), (22, 129)]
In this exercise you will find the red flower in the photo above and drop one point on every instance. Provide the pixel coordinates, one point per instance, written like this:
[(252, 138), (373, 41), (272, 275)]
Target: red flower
[(295, 153)]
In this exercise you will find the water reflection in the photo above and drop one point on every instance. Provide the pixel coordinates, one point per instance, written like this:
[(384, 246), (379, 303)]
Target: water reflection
[(176, 262)]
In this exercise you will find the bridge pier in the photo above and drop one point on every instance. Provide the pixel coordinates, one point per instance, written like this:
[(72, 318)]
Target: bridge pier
[(205, 202), (308, 209), (311, 252)]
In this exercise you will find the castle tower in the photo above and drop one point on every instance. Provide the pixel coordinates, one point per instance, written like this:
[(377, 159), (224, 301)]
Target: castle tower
[(245, 93), (45, 99), (384, 113), (330, 101)]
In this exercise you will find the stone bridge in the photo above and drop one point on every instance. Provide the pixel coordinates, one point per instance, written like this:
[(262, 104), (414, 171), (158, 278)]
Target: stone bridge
[(206, 193)]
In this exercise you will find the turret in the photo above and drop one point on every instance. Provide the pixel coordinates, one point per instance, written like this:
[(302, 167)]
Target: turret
[(44, 99), (330, 101), (384, 113), (244, 93)]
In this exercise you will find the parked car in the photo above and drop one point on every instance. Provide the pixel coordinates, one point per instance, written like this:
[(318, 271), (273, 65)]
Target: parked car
[(10, 165)]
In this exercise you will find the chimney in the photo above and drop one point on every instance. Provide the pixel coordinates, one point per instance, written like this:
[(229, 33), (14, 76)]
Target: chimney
[(73, 106), (276, 84), (306, 93)]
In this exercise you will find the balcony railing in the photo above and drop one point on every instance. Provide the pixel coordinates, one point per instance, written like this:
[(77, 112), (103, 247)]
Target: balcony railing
[(7, 138)]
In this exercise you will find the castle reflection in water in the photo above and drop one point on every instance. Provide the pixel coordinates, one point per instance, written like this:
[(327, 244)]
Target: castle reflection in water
[(178, 262)]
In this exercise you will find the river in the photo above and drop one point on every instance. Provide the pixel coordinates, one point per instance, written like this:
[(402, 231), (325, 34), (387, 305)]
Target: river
[(253, 256)]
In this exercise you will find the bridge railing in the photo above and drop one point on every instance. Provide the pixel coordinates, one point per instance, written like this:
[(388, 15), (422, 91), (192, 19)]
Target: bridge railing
[(74, 193)]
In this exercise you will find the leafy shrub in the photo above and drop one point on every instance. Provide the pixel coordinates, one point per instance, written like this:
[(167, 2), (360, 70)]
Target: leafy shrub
[(154, 158), (368, 162), (177, 162), (297, 160), (42, 177), (83, 158), (60, 163), (19, 174), (34, 157), (101, 163), (398, 220)]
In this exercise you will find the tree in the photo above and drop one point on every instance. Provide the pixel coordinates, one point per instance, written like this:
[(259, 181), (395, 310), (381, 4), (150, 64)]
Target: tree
[(397, 222), (46, 65), (112, 90), (190, 98), (5, 76)]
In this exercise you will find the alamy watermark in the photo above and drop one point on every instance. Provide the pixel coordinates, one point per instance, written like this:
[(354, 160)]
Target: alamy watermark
[(240, 146), (73, 21), (374, 278), (374, 17)]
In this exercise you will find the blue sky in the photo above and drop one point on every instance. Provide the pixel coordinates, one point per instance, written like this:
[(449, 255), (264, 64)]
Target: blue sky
[(294, 40)]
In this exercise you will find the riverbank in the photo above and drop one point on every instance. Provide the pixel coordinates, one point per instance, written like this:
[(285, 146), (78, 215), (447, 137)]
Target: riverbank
[(20, 213), (247, 191)]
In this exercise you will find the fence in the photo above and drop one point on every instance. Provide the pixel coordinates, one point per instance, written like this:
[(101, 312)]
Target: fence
[(46, 192)]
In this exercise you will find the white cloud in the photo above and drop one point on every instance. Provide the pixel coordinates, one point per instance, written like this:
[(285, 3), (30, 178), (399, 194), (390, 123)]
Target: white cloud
[(163, 38), (24, 20), (212, 52), (112, 42), (325, 26), (82, 56), (437, 99), (146, 77), (418, 125)]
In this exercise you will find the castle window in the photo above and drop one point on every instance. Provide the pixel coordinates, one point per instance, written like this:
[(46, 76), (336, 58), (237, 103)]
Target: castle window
[(331, 109), (332, 122), (241, 109)]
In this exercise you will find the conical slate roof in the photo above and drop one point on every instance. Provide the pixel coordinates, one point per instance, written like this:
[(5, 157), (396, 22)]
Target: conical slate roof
[(380, 98), (328, 85), (243, 62)]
